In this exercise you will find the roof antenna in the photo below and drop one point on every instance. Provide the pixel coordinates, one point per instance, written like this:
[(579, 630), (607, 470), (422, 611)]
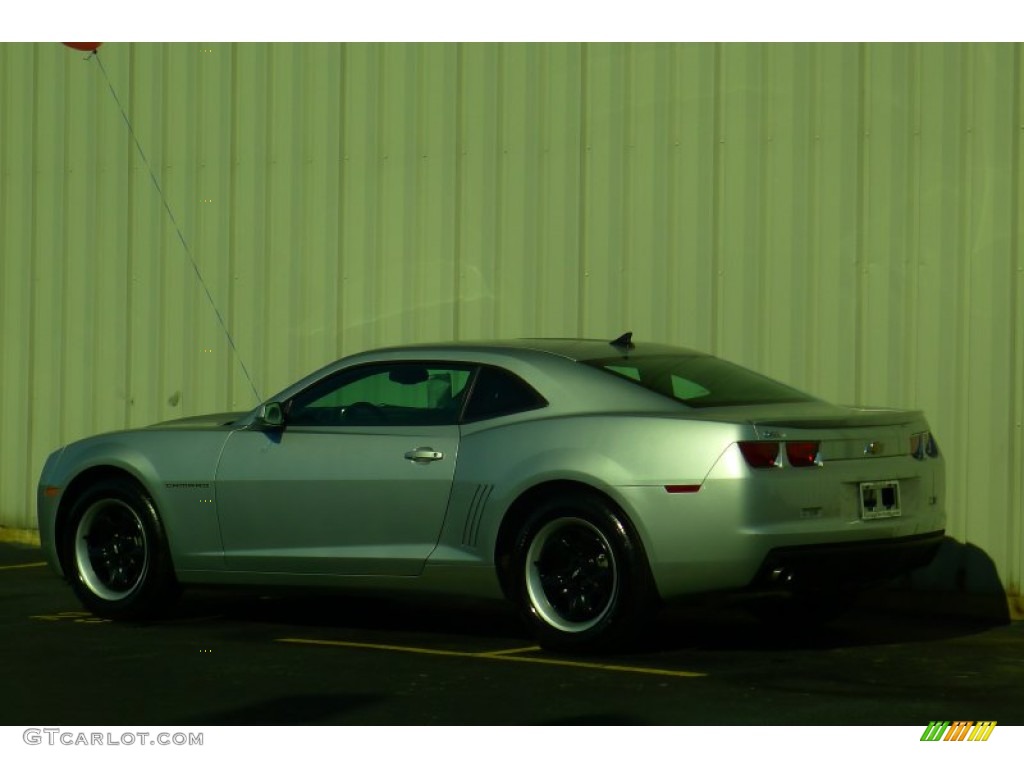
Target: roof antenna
[(624, 341)]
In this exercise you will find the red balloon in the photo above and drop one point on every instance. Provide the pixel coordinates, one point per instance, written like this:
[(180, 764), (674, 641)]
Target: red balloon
[(89, 47)]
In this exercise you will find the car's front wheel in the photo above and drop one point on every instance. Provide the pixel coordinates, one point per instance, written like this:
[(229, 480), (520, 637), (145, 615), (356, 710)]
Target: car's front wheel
[(581, 575), (115, 552)]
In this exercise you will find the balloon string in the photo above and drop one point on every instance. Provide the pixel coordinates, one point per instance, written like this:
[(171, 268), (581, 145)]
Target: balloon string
[(181, 236)]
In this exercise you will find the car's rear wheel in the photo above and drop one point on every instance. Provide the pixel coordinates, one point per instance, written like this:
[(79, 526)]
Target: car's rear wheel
[(580, 574), (115, 552)]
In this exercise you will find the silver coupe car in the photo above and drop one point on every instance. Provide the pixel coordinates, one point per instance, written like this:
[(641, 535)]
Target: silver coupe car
[(587, 481)]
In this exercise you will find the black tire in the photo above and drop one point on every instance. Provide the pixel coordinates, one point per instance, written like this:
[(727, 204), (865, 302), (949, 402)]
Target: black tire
[(115, 552), (580, 575)]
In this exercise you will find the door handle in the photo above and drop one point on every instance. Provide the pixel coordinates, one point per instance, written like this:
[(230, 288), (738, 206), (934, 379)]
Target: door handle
[(424, 455)]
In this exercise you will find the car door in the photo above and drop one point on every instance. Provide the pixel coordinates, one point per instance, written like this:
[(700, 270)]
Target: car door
[(356, 483)]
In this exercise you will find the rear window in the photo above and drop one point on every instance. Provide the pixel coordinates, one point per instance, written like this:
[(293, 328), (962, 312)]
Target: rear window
[(700, 381)]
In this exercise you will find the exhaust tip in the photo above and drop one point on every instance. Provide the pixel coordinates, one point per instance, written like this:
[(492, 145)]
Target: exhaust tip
[(782, 576)]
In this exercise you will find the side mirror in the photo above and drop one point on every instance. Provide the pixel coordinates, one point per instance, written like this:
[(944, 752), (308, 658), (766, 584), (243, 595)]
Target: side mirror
[(270, 416)]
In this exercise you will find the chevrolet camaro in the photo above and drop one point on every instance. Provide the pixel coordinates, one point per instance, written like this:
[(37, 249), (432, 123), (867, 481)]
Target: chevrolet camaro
[(586, 481)]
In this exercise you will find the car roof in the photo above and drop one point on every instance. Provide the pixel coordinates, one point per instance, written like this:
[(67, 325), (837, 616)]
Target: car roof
[(569, 348), (552, 359)]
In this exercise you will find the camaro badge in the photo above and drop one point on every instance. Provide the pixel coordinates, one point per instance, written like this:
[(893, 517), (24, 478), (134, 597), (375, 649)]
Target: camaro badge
[(873, 449)]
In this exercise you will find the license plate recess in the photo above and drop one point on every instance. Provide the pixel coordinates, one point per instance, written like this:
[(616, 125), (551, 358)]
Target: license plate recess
[(880, 500)]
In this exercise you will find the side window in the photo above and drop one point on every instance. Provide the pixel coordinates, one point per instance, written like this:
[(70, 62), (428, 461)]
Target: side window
[(386, 394), (629, 371), (684, 389), (499, 393)]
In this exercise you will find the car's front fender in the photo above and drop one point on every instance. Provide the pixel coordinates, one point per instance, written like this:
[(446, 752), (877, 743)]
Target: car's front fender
[(175, 467)]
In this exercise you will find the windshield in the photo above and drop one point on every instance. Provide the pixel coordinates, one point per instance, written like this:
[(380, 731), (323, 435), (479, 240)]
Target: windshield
[(700, 381)]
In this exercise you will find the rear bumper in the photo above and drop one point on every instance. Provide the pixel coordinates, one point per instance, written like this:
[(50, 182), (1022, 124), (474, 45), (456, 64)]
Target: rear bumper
[(853, 564)]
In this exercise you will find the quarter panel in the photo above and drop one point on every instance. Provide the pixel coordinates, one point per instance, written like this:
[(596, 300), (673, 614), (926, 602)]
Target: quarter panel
[(501, 461)]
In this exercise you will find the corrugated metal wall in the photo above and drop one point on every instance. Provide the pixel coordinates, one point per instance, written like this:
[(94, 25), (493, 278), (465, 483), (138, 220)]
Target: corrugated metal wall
[(843, 217)]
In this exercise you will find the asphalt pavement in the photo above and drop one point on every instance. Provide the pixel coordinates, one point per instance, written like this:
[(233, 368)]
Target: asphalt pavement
[(238, 657)]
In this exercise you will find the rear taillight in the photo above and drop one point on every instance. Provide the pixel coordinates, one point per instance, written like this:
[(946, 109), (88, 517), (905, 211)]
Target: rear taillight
[(765, 454), (803, 454), (761, 454)]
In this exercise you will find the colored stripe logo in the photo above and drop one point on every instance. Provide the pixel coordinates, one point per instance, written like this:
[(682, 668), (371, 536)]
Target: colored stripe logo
[(959, 730)]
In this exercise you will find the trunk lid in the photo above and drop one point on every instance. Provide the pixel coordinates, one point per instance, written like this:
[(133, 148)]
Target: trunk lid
[(845, 432)]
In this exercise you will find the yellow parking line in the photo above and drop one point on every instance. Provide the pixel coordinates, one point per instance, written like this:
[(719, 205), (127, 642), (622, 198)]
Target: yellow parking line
[(21, 565), (527, 649), (505, 655), (374, 646), (592, 665)]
